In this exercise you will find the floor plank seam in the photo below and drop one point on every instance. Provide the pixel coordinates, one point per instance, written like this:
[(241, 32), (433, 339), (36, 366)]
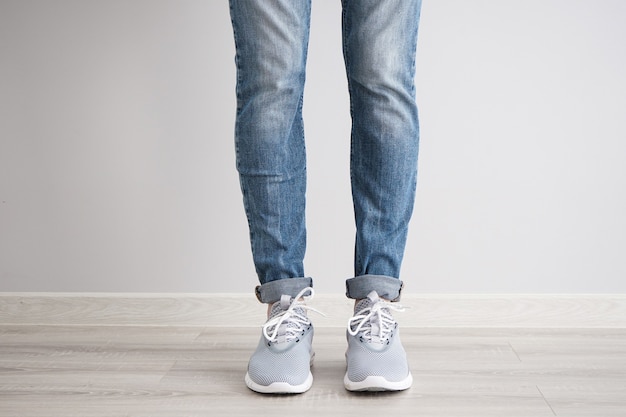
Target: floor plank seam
[(547, 402), (470, 311), (515, 352)]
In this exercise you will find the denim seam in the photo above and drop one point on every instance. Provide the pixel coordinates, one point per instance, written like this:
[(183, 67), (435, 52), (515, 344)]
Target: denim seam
[(346, 56)]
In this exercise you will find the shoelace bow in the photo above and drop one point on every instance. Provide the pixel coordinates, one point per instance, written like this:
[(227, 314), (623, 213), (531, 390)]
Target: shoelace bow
[(293, 318), (363, 320)]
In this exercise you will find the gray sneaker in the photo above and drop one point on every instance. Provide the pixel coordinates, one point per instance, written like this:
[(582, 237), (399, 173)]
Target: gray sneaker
[(281, 363), (375, 356)]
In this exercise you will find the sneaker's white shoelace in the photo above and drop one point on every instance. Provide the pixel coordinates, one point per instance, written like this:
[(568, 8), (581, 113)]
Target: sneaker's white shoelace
[(381, 327), (293, 320)]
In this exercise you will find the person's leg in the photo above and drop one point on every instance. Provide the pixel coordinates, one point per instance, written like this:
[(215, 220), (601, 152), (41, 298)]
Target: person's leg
[(379, 39), (271, 39)]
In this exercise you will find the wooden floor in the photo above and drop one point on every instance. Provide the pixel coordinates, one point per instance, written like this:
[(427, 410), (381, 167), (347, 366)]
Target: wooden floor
[(147, 370)]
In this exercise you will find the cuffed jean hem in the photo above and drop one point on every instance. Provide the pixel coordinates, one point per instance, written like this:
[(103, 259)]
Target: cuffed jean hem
[(388, 288), (270, 292)]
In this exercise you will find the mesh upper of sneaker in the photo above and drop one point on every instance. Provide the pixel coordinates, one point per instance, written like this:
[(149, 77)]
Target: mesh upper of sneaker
[(288, 318), (372, 321), (374, 347), (284, 352)]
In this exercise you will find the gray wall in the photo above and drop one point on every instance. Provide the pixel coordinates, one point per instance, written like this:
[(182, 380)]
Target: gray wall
[(117, 164)]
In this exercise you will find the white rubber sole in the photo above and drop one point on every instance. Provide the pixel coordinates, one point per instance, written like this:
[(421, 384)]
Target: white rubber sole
[(377, 383), (280, 387)]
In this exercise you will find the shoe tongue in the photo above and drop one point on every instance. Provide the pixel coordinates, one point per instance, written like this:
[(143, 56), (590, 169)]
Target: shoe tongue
[(285, 301), (280, 307), (374, 322), (372, 298)]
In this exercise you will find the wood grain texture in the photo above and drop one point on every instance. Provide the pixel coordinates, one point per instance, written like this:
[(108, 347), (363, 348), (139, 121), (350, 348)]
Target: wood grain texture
[(184, 355), (242, 310), (198, 371)]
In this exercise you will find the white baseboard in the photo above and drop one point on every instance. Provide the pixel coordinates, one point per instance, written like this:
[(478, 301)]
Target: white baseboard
[(242, 310)]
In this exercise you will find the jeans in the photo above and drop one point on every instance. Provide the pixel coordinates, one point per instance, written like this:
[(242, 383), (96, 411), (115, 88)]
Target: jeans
[(379, 45)]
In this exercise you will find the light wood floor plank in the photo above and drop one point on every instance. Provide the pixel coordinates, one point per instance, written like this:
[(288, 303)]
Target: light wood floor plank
[(141, 371), (240, 310), (95, 356)]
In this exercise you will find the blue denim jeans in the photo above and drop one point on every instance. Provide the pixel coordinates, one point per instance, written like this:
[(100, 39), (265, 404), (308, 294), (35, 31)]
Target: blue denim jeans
[(379, 45)]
